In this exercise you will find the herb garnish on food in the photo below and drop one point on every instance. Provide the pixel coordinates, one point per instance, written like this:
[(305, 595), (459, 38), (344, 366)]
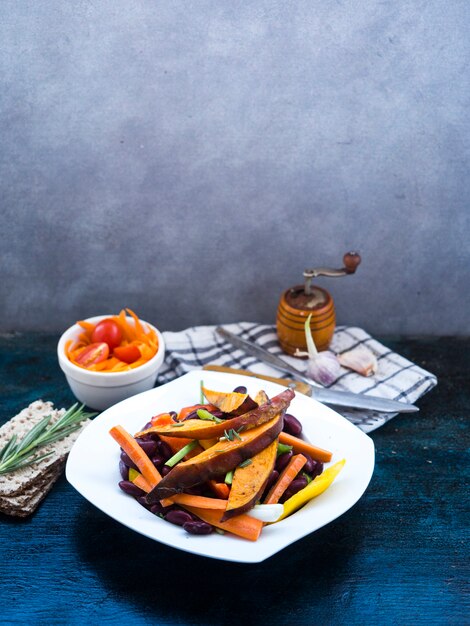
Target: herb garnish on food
[(16, 454), (231, 434), (206, 415)]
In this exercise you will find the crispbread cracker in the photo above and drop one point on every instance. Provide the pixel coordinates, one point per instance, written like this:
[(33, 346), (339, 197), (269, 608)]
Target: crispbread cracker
[(17, 482), (24, 498), (32, 505)]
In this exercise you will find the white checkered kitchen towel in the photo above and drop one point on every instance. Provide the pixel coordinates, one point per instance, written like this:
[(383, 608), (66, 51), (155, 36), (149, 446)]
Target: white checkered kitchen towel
[(396, 378)]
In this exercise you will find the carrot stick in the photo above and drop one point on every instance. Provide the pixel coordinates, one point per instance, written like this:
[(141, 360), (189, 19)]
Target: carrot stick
[(242, 525), (318, 454), (221, 490), (138, 480), (287, 476), (135, 452), (200, 502), (162, 419)]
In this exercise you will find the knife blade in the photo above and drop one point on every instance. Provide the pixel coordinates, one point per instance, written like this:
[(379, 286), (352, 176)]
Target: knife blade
[(327, 396), (296, 385)]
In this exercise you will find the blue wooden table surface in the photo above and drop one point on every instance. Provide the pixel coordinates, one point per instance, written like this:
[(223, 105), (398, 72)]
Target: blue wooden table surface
[(399, 556)]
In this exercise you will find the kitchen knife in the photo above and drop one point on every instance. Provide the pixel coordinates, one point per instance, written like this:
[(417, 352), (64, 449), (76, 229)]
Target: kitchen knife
[(327, 396), (296, 385)]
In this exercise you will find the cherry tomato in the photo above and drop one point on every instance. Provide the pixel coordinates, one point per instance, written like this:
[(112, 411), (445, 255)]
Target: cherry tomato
[(128, 354), (108, 331), (94, 353)]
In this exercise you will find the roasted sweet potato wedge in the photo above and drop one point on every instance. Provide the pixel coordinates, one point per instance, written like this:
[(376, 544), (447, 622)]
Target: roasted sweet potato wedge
[(248, 482), (261, 397), (202, 429), (231, 402), (225, 401), (248, 405), (221, 458)]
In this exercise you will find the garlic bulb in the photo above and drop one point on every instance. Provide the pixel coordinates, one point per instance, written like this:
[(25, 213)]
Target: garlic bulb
[(361, 360), (323, 367)]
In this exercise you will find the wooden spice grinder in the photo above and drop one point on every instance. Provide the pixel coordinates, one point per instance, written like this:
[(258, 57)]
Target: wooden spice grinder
[(298, 302)]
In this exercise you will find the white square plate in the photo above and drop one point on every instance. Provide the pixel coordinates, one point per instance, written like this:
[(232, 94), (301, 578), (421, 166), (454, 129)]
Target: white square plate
[(93, 467)]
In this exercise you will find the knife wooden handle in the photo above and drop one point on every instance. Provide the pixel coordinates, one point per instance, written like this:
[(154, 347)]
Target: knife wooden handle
[(298, 386)]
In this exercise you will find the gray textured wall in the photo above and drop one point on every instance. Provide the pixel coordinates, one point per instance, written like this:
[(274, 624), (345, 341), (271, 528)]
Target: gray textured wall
[(190, 159)]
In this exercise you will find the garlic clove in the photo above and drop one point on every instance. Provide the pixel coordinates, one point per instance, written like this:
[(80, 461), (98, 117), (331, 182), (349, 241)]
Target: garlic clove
[(324, 368), (361, 360)]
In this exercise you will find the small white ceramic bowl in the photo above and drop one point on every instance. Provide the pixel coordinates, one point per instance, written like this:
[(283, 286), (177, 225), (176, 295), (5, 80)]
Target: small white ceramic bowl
[(100, 390)]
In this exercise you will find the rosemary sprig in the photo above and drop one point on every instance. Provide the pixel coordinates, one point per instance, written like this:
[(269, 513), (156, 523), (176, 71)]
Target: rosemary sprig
[(231, 434), (16, 454)]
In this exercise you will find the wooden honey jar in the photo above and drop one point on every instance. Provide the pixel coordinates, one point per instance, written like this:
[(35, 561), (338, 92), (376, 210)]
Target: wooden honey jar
[(298, 302)]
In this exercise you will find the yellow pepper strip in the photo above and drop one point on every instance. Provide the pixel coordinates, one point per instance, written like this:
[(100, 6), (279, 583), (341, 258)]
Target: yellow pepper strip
[(313, 489)]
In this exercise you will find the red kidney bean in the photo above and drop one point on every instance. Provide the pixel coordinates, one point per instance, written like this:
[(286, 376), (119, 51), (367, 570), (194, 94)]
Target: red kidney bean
[(309, 466), (178, 517), (128, 461), (197, 528), (148, 446), (157, 460), (292, 425), (296, 485), (165, 450), (283, 459), (130, 488), (151, 437), (143, 501), (191, 416), (165, 470), (240, 389), (318, 469), (124, 470), (158, 509), (272, 479)]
